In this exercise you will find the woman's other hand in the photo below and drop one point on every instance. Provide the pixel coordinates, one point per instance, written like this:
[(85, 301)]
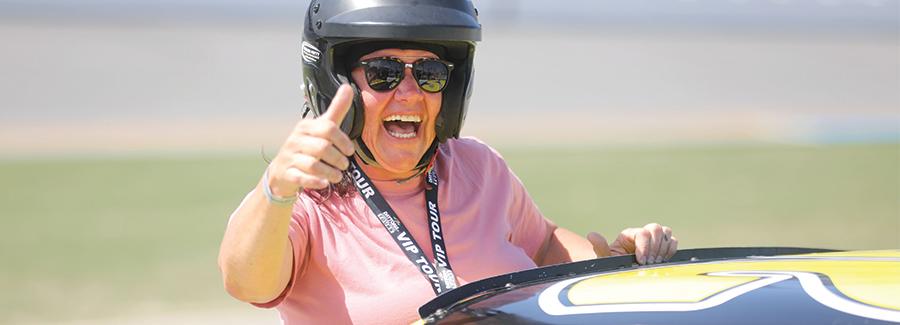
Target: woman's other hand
[(315, 152), (650, 244)]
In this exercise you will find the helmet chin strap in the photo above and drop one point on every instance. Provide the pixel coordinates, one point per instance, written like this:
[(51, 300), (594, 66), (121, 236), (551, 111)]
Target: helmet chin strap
[(362, 151), (364, 154)]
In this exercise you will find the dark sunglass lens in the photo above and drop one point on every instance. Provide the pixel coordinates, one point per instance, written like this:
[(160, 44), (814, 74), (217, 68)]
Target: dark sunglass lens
[(383, 74), (431, 75)]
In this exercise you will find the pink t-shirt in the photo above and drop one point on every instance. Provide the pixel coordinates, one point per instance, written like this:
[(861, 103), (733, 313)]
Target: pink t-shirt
[(348, 269)]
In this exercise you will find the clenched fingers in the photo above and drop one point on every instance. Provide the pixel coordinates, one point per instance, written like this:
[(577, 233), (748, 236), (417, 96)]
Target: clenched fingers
[(650, 244), (324, 150), (667, 246), (673, 247), (632, 241), (315, 167), (328, 130), (642, 243), (656, 239), (624, 243)]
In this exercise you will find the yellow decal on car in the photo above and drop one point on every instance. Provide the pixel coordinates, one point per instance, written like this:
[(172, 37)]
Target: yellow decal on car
[(865, 284)]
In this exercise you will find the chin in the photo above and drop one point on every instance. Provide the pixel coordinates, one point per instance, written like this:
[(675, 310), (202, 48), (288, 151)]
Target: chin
[(398, 162), (398, 155)]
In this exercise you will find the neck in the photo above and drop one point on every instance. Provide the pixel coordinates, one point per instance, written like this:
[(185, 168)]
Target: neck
[(377, 173)]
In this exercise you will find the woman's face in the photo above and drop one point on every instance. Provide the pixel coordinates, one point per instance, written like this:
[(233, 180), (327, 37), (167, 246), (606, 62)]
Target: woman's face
[(398, 145)]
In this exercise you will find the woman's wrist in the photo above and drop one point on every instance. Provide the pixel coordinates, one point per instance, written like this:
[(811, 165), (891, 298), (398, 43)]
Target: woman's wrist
[(274, 199)]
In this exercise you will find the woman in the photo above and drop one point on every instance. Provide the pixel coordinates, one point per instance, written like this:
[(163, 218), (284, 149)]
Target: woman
[(375, 206)]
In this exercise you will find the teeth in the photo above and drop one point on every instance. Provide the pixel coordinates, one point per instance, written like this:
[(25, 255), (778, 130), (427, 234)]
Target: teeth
[(402, 135), (403, 118)]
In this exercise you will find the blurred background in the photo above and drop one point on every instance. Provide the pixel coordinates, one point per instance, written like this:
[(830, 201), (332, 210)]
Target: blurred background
[(129, 130)]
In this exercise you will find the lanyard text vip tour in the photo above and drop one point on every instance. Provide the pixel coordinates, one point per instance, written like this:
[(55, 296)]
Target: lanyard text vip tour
[(440, 274)]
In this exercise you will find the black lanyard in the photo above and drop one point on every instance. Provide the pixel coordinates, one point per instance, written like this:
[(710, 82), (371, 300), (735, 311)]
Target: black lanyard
[(439, 274)]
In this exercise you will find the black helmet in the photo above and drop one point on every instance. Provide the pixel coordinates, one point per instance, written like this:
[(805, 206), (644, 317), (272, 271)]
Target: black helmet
[(339, 32)]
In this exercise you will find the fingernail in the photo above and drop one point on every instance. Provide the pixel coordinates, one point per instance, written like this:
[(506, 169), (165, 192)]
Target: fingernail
[(659, 259)]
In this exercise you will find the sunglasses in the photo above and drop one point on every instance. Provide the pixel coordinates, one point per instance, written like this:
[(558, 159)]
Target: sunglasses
[(384, 74)]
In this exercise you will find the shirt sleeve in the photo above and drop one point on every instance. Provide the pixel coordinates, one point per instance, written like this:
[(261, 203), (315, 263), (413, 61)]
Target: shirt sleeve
[(529, 229), (299, 237)]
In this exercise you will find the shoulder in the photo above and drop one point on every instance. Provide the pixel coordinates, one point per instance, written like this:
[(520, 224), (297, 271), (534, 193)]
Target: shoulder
[(471, 158), (469, 148)]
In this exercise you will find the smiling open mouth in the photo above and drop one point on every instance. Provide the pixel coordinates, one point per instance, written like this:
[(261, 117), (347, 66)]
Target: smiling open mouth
[(402, 126)]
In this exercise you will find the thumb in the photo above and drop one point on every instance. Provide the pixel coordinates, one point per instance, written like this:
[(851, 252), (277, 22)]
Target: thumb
[(601, 248), (340, 105)]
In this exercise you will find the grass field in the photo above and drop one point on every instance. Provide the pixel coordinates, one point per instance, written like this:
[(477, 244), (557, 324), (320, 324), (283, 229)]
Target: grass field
[(86, 238)]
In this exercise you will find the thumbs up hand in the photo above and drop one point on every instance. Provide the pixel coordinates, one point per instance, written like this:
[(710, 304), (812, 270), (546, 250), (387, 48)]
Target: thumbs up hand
[(315, 152)]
